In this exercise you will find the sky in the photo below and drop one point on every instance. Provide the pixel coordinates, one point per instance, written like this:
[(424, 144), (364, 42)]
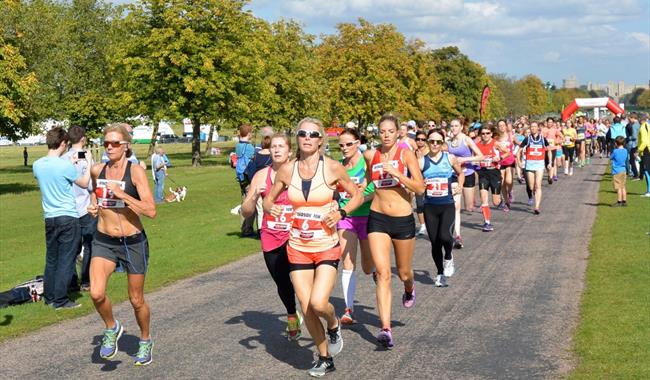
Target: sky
[(594, 40)]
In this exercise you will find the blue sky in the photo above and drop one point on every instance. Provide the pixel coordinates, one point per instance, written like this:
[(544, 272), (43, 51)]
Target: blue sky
[(595, 40)]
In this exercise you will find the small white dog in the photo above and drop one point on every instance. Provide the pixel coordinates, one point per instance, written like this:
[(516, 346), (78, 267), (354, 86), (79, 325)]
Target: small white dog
[(177, 195)]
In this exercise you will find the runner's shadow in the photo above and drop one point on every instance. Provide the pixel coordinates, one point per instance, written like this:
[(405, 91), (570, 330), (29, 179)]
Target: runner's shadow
[(127, 344), (364, 321), (423, 277), (597, 204), (7, 320), (270, 330)]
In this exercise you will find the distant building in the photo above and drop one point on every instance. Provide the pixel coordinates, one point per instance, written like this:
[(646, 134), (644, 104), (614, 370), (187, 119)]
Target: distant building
[(616, 89), (570, 82)]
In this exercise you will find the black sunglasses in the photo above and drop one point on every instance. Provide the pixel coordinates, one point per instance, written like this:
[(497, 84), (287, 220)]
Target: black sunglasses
[(420, 139), (486, 133), (435, 142), (305, 133), (114, 144)]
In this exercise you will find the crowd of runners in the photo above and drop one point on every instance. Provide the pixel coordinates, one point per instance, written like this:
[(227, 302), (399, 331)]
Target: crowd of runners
[(316, 212), (319, 212)]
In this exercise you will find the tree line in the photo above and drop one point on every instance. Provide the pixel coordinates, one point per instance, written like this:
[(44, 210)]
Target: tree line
[(92, 63)]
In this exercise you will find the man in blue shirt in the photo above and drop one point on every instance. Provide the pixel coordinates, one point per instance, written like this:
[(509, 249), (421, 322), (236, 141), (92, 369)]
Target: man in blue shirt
[(159, 171), (55, 178), (632, 132)]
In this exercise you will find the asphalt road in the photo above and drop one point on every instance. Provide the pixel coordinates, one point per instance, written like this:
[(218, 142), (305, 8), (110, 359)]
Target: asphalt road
[(510, 312)]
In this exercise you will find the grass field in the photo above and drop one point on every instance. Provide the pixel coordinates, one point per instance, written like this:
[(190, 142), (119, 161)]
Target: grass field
[(613, 338), (185, 238)]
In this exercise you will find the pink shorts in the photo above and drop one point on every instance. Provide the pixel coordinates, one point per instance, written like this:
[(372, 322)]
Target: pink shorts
[(356, 224)]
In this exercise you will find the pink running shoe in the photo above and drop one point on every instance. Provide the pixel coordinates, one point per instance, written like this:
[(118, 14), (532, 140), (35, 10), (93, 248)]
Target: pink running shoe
[(385, 338), (408, 299)]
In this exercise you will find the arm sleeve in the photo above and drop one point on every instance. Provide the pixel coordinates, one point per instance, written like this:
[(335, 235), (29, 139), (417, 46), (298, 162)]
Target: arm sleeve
[(70, 173)]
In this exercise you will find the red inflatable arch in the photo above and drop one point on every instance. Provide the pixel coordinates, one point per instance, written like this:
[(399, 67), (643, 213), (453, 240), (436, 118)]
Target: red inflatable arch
[(591, 103)]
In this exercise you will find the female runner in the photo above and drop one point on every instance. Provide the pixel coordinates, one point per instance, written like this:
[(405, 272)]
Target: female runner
[(391, 219), (314, 251)]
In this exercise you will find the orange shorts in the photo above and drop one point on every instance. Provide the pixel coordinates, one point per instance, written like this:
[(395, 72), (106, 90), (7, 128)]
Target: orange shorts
[(310, 260)]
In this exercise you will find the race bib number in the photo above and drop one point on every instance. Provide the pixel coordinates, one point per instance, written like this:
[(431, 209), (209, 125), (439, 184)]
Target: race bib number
[(344, 194), (385, 179), (437, 187), (567, 140), (536, 152), (486, 162), (307, 225), (282, 222), (105, 197)]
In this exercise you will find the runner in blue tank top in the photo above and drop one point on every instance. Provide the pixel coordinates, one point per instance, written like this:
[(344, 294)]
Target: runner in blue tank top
[(438, 169)]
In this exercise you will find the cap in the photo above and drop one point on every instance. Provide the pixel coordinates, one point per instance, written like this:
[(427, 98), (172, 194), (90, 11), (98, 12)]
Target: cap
[(350, 124), (411, 123)]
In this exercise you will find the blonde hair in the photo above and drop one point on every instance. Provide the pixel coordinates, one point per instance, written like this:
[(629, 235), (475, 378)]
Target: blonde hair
[(122, 129), (321, 130)]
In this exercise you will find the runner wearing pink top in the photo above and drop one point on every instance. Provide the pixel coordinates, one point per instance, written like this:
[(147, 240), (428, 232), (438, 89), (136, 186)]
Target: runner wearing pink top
[(554, 136), (506, 141), (275, 231)]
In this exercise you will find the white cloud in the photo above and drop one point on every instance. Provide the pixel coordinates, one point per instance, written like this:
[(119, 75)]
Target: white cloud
[(552, 56), (643, 38)]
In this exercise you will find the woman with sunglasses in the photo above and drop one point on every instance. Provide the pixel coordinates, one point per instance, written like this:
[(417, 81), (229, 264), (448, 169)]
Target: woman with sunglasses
[(353, 230), (121, 194), (420, 152), (465, 150), (313, 250), (439, 169), (535, 149), (275, 231), (489, 176), (391, 218)]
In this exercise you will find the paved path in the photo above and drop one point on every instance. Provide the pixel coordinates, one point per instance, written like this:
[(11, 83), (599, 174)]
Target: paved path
[(509, 312)]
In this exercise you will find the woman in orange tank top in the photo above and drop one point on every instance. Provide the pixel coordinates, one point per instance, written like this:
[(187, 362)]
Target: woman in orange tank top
[(391, 218), (313, 251)]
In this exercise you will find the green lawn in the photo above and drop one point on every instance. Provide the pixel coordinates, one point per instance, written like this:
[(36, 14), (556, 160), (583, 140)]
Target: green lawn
[(613, 338), (185, 238)]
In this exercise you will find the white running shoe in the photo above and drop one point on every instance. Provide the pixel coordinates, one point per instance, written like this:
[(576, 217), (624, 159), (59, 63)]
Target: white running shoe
[(647, 195), (566, 171), (423, 230), (448, 267), (441, 281), (235, 210), (571, 171)]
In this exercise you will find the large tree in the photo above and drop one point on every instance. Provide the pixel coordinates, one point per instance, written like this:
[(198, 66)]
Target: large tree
[(17, 86), (535, 94), (197, 59)]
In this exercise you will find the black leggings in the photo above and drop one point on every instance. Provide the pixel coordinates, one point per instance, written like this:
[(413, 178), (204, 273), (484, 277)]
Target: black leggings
[(278, 265), (440, 222)]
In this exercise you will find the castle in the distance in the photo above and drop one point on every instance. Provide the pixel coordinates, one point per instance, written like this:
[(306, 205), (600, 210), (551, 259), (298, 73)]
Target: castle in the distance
[(613, 89)]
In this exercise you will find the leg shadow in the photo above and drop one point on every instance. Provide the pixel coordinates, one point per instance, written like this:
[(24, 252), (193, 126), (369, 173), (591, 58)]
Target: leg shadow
[(127, 344)]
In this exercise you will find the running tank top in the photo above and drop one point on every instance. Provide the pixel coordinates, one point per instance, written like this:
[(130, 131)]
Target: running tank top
[(534, 152), (508, 145), (462, 150), (490, 153), (312, 199), (383, 180), (403, 144), (438, 180), (357, 175), (105, 197), (275, 231), (580, 130)]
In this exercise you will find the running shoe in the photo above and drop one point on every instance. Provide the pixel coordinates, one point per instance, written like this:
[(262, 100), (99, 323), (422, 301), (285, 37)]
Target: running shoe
[(521, 180), (506, 207), (347, 318), (385, 338), (647, 195), (408, 299), (109, 341), (550, 180), (441, 281), (458, 242), (554, 178), (511, 197), (293, 328), (374, 277), (68, 305), (487, 227), (145, 351), (423, 230), (334, 340), (536, 212), (531, 201), (448, 267), (321, 366), (566, 171), (571, 171)]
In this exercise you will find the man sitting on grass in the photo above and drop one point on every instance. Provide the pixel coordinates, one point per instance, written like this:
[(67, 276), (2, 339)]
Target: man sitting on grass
[(619, 174)]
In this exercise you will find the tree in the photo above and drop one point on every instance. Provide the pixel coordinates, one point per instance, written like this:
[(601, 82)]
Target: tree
[(197, 59), (364, 67), (514, 100), (16, 89), (496, 106), (534, 93), (643, 100), (561, 98), (462, 78)]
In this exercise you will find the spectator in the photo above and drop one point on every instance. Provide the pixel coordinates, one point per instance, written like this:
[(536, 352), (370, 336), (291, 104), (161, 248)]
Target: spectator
[(25, 156), (87, 224), (159, 171), (55, 178), (245, 151), (619, 175), (643, 139), (632, 132)]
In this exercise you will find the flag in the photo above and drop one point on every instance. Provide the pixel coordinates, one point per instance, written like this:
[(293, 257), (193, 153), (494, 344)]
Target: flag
[(484, 99)]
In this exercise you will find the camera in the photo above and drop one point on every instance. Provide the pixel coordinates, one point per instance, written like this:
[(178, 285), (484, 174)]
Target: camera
[(81, 154)]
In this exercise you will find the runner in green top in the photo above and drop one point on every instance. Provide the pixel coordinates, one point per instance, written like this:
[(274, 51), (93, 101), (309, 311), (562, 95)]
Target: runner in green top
[(353, 230)]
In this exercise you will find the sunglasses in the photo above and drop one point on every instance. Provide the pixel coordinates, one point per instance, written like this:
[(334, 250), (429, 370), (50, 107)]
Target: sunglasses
[(486, 133), (114, 144), (347, 145), (435, 142), (311, 134), (420, 139)]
